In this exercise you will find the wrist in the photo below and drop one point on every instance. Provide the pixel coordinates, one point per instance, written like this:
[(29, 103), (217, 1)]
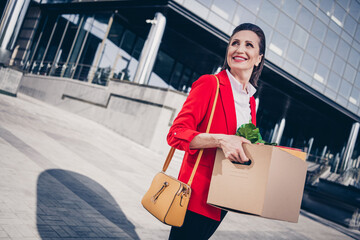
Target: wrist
[(219, 140)]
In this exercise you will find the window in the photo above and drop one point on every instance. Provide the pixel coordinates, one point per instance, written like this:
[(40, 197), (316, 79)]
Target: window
[(268, 13), (331, 39), (355, 96), (318, 29), (321, 73), (63, 56), (354, 9), (128, 41), (205, 2), (349, 73), (345, 4), (345, 89), (305, 18), (354, 58), (138, 48), (343, 49), (291, 8), (357, 34), (253, 5), (314, 47), (224, 8), (285, 25), (357, 80), (294, 54), (326, 6), (116, 31), (163, 66), (278, 44), (339, 15), (326, 56), (334, 81), (308, 63), (175, 78), (338, 65), (243, 15), (350, 25), (300, 36)]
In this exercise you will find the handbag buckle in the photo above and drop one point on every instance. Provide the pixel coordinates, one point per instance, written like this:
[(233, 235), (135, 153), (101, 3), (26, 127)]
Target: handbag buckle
[(156, 196), (184, 192)]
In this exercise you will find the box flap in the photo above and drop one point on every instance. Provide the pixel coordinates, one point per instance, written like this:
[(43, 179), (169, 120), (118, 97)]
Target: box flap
[(296, 153)]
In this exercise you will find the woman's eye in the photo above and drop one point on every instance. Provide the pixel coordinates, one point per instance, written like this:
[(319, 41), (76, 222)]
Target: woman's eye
[(235, 43), (250, 45)]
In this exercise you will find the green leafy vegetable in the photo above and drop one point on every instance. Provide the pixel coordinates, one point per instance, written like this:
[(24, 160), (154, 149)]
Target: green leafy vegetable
[(251, 133)]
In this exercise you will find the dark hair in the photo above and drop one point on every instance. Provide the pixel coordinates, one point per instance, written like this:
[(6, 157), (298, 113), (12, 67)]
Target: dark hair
[(257, 69)]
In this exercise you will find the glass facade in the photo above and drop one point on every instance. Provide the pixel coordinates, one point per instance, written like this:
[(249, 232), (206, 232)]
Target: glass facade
[(313, 40), (89, 47)]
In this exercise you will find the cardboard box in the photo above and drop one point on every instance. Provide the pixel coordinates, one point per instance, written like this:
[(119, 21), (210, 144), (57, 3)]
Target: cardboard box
[(271, 186)]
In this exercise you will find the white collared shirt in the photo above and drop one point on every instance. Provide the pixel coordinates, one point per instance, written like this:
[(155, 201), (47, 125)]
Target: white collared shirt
[(242, 99)]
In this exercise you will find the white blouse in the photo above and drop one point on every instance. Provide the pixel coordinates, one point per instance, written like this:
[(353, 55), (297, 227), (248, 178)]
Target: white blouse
[(242, 99)]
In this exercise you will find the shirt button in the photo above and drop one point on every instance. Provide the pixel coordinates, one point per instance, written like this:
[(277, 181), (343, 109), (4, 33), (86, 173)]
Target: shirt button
[(175, 133)]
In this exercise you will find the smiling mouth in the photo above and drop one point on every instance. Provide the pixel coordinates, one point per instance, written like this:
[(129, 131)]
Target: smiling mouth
[(239, 59)]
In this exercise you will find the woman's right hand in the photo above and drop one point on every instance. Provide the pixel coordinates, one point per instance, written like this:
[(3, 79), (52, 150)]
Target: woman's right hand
[(232, 147), (230, 144)]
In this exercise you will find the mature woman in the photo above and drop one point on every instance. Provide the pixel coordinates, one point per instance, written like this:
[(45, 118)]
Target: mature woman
[(235, 106)]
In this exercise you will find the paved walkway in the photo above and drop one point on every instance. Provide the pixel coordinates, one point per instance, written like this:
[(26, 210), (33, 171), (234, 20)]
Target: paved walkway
[(63, 176)]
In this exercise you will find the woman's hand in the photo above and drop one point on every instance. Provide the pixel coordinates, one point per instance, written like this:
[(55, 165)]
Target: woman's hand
[(232, 148), (230, 144)]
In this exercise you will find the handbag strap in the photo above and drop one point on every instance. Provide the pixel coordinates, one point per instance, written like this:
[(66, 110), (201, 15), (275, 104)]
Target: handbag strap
[(172, 150)]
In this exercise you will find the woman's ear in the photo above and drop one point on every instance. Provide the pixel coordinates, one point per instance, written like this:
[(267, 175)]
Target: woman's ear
[(259, 60)]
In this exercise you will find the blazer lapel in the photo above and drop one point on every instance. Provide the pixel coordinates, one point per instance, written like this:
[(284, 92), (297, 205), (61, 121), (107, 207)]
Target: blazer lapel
[(228, 103)]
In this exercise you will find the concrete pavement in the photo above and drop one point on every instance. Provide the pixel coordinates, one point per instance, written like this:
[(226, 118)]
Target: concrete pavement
[(63, 176)]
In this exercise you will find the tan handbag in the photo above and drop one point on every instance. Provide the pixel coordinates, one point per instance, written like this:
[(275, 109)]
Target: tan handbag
[(168, 198)]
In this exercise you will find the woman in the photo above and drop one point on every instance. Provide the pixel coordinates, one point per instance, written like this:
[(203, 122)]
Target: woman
[(235, 106)]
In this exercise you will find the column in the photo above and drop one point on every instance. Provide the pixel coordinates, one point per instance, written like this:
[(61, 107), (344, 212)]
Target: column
[(280, 131), (323, 152), (350, 145), (13, 17), (150, 50), (311, 141), (275, 132)]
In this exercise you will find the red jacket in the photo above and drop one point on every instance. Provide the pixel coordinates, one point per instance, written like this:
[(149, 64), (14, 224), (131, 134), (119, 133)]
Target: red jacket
[(192, 120)]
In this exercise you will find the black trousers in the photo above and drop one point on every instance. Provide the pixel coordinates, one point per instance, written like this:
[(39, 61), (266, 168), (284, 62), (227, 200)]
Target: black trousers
[(196, 226)]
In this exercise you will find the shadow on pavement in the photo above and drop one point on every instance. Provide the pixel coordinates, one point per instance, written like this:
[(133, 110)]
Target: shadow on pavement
[(71, 205)]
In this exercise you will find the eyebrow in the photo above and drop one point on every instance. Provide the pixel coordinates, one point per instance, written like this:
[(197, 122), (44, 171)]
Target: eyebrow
[(245, 40)]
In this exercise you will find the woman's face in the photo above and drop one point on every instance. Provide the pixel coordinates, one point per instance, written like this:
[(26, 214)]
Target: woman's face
[(243, 51)]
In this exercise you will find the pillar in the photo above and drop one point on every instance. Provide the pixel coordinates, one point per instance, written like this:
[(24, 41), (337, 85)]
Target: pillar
[(11, 22), (274, 134), (311, 141), (350, 145), (150, 50), (280, 131)]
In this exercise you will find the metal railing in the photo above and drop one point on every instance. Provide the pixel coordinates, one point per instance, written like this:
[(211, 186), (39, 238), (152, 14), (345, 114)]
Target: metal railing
[(82, 72)]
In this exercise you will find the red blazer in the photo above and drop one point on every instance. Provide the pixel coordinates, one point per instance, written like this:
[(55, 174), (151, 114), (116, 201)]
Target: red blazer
[(192, 120)]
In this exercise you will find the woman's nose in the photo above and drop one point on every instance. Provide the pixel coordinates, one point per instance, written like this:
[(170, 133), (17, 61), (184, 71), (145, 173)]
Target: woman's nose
[(241, 48)]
